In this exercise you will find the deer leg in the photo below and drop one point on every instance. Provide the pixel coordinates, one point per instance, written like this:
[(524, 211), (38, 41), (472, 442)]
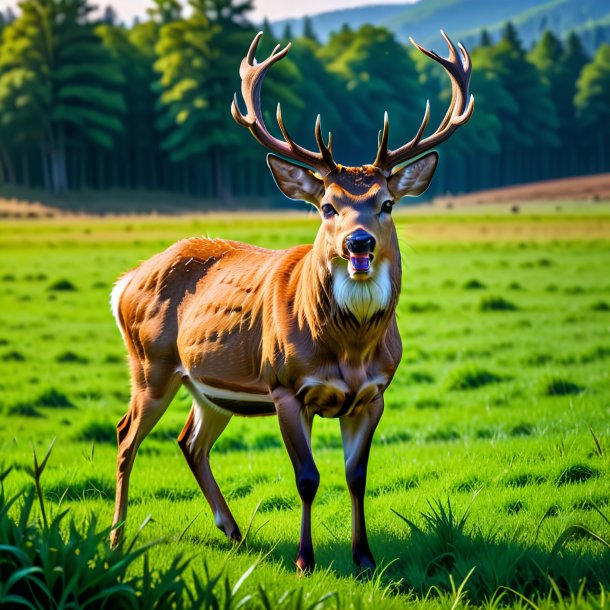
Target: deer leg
[(295, 426), (145, 409), (204, 425), (357, 433)]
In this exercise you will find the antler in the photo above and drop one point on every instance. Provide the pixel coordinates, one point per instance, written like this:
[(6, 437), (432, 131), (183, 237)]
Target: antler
[(459, 111), (252, 74)]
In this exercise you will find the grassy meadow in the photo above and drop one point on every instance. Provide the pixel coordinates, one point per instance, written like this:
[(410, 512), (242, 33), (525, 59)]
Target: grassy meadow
[(493, 453)]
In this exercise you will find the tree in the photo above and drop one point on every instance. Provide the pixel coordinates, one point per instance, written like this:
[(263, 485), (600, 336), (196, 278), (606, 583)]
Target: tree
[(559, 67), (58, 79), (165, 11), (529, 134), (197, 63), (591, 100), (308, 30), (379, 73)]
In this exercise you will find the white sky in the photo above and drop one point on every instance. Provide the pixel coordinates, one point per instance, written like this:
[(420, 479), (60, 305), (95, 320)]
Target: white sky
[(273, 9)]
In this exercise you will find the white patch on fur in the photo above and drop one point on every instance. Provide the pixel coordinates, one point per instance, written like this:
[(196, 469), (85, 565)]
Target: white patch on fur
[(363, 298), (211, 392), (115, 298)]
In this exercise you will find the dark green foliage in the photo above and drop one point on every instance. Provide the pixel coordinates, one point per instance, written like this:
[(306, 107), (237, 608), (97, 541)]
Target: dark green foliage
[(13, 356), (58, 86), (71, 358), (277, 502), (523, 429), (470, 377), (423, 307), (494, 303), (230, 443), (448, 544), (420, 377), (557, 386), (428, 403), (45, 562), (576, 474), (53, 398), (474, 284), (391, 438), (524, 479), (601, 306), (267, 441), (23, 409), (97, 432), (62, 285)]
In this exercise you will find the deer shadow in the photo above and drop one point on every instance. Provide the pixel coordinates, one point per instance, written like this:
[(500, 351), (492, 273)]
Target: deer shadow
[(438, 557)]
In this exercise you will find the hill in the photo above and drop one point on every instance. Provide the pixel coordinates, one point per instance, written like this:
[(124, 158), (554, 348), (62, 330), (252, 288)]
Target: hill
[(464, 19)]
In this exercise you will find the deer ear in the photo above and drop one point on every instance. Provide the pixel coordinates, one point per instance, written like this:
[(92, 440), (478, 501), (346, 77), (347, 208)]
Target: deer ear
[(413, 179), (295, 181)]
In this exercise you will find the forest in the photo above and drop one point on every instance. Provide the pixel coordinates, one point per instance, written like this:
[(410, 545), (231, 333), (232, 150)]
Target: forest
[(87, 102)]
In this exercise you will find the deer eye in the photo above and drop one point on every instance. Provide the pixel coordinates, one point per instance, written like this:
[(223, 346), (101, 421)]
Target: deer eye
[(386, 206), (328, 211)]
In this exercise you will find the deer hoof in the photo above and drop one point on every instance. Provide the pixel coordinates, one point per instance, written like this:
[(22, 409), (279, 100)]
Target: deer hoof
[(235, 535), (305, 564), (365, 562)]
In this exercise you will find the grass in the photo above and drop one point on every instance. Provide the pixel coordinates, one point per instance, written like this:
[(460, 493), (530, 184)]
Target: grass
[(488, 480)]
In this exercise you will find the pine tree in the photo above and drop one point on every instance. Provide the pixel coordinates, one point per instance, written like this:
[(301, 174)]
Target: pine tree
[(591, 101), (379, 73), (529, 134), (560, 68), (308, 30), (64, 81), (198, 62), (485, 39)]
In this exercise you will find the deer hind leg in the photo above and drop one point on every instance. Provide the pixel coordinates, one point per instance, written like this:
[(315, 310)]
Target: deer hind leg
[(148, 403), (204, 425)]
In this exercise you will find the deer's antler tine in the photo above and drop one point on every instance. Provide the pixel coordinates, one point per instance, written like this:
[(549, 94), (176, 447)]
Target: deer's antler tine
[(280, 122), (252, 50), (252, 75), (382, 149), (458, 67), (462, 118), (238, 116), (452, 49), (324, 150), (424, 124)]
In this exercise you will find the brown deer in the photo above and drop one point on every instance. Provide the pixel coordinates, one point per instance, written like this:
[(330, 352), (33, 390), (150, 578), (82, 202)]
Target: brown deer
[(306, 331)]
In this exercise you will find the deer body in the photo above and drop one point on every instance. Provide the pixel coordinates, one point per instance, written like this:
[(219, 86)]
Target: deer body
[(306, 331)]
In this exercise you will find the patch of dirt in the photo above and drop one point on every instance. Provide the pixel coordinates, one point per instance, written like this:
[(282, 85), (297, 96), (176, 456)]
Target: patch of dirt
[(580, 188), (17, 208)]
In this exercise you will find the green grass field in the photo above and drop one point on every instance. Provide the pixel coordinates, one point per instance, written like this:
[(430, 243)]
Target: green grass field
[(500, 413)]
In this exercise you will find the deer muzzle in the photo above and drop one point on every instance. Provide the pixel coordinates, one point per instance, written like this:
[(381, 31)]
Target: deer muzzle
[(360, 246)]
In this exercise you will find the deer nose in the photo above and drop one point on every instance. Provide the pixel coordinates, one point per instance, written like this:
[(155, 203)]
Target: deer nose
[(360, 242)]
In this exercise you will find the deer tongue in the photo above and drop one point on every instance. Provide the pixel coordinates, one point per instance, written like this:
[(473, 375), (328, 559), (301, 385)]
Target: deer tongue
[(360, 262)]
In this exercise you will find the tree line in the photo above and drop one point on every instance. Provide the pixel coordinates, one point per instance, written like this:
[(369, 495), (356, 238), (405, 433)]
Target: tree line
[(92, 103)]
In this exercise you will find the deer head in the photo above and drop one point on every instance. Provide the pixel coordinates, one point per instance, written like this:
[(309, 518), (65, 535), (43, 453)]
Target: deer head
[(355, 203)]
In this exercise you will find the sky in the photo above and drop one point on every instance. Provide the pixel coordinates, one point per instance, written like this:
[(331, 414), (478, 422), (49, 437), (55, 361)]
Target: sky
[(273, 9)]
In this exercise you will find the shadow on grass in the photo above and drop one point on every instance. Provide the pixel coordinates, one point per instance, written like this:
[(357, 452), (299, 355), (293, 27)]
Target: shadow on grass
[(437, 557)]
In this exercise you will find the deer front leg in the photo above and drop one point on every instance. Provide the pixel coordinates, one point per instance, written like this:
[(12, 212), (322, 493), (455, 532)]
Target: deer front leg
[(357, 433), (295, 426)]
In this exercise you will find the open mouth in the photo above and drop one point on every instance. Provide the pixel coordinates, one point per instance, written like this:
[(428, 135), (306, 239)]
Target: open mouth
[(360, 263)]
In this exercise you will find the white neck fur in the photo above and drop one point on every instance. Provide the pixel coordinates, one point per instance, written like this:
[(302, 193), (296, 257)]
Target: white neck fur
[(363, 298)]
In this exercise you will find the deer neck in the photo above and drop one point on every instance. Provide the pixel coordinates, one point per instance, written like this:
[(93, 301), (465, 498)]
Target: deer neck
[(334, 305)]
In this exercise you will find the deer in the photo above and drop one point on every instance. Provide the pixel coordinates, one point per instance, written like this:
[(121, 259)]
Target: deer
[(295, 333)]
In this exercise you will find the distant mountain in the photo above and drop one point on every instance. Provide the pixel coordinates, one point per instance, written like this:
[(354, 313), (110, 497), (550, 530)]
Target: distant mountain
[(586, 17), (464, 19)]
